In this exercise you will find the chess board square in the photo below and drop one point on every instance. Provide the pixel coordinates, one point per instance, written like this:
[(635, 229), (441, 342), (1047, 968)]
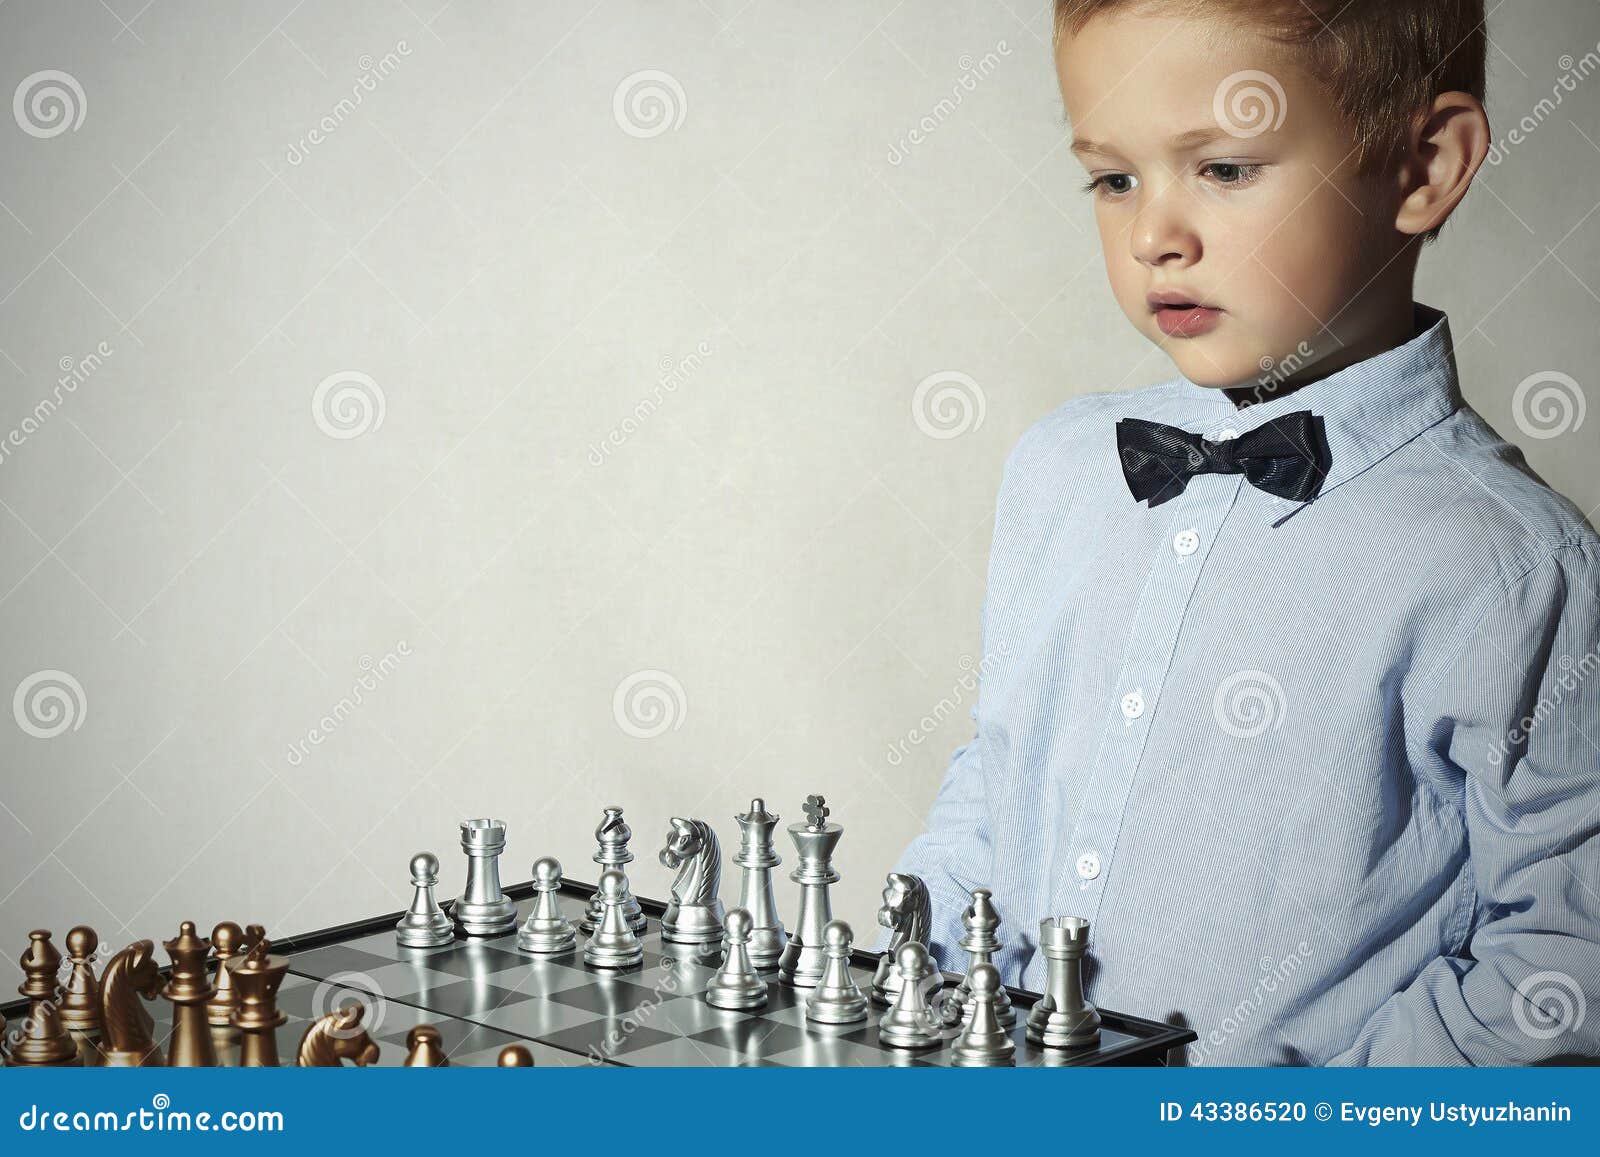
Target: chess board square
[(408, 981), (611, 996), (835, 1052), (335, 959), (693, 1015), (536, 1019), (315, 998), (753, 1036), (469, 998), (607, 1039), (474, 959), (685, 1052)]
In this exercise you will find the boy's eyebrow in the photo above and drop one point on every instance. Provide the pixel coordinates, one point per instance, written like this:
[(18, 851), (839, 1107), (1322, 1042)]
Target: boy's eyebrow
[(1182, 143)]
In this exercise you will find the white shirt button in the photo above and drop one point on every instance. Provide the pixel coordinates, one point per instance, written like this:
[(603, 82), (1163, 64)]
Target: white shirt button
[(1133, 704), (1089, 865), (1186, 541), (1224, 434)]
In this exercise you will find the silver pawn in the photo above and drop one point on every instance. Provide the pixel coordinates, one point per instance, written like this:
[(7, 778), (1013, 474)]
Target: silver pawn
[(425, 924), (910, 1023), (1063, 1019), (837, 999), (984, 1042), (981, 940), (736, 984), (614, 944), (547, 931), (484, 909), (757, 857), (612, 838)]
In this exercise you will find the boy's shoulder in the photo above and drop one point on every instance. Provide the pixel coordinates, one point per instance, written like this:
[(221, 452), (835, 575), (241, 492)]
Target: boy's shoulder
[(1082, 430)]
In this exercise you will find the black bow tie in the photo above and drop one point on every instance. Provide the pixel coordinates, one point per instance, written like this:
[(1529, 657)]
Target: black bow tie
[(1287, 456)]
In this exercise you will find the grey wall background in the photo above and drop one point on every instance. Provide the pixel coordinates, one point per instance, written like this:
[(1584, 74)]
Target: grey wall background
[(611, 398)]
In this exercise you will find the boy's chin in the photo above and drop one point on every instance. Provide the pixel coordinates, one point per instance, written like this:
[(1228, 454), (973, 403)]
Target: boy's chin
[(1213, 369)]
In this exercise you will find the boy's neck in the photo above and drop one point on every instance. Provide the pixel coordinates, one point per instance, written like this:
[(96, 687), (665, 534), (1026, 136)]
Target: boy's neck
[(1399, 328)]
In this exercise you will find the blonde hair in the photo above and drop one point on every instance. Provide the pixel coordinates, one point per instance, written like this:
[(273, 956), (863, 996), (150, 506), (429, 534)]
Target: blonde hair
[(1382, 62)]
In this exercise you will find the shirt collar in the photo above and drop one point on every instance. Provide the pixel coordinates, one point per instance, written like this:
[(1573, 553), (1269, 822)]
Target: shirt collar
[(1369, 409)]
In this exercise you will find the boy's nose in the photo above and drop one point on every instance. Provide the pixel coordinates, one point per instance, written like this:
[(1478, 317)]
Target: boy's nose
[(1163, 235)]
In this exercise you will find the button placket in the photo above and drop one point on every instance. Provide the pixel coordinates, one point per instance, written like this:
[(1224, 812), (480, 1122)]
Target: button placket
[(1158, 619)]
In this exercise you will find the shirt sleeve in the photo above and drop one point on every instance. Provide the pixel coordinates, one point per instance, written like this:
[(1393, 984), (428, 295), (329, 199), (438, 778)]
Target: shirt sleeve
[(1517, 715)]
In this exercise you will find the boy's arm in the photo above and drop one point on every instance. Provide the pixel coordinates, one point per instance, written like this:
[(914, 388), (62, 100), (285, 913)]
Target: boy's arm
[(1518, 712)]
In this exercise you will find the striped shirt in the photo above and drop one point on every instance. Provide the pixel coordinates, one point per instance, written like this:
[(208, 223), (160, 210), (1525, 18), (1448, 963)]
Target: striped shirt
[(1327, 790)]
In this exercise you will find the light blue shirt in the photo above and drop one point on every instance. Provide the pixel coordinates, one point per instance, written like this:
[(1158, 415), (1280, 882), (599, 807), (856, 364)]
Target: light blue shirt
[(1328, 792)]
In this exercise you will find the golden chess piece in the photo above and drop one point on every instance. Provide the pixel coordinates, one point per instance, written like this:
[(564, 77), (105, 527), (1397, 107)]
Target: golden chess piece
[(425, 1048), (256, 977), (515, 1057), (130, 979), (80, 996), (335, 1038), (227, 941), (189, 989), (44, 1041)]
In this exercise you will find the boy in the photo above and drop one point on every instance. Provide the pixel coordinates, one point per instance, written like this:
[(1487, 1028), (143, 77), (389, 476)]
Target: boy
[(1293, 665)]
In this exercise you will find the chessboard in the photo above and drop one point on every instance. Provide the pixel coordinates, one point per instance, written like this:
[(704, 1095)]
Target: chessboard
[(482, 994)]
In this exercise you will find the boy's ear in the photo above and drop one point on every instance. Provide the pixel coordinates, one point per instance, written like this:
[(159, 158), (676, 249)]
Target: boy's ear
[(1444, 155)]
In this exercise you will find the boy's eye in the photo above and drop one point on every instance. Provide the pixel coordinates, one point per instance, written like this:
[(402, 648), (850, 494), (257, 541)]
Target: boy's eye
[(1109, 184), (1232, 172)]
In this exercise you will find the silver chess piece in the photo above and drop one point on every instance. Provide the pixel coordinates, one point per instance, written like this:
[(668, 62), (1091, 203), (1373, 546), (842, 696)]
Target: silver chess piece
[(907, 912), (614, 943), (836, 999), (910, 1022), (757, 857), (547, 931), (612, 838), (484, 909), (980, 937), (737, 985), (695, 914), (425, 924), (984, 1041), (804, 957), (1063, 1019)]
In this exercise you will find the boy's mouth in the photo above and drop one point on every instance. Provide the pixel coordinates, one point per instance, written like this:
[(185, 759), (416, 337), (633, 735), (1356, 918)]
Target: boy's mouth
[(1181, 315)]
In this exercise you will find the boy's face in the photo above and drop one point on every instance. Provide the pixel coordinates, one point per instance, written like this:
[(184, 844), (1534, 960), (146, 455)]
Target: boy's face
[(1225, 177)]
